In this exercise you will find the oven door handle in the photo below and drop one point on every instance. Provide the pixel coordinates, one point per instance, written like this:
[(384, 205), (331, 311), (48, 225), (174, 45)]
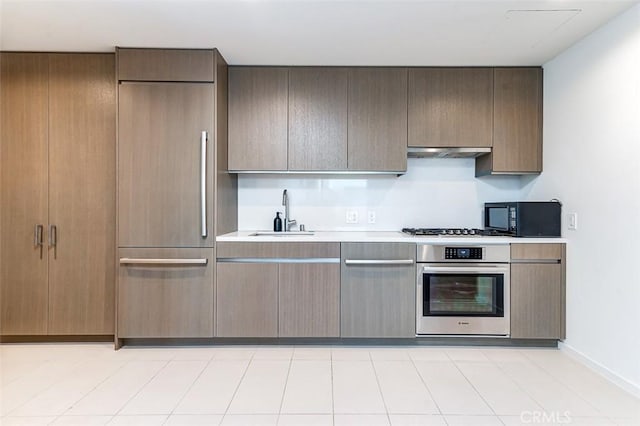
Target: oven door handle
[(472, 269)]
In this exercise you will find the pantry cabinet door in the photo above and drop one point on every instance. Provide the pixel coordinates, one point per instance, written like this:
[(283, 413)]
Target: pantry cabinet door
[(23, 193), (82, 164)]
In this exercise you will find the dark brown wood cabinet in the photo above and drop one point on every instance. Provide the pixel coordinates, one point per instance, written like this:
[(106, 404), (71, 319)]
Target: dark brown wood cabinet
[(58, 194), (450, 107), (258, 106), (517, 123), (377, 128), (317, 119), (538, 291)]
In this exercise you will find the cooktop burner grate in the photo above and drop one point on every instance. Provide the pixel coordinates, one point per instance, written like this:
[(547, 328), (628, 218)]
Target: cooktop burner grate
[(449, 232)]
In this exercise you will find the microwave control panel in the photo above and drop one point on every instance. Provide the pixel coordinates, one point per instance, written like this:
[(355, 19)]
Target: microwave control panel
[(466, 253)]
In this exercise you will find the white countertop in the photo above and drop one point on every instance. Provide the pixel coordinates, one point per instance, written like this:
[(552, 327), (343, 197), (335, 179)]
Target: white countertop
[(376, 237)]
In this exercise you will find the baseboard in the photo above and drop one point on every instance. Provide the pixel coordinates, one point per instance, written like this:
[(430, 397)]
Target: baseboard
[(632, 388), (93, 338)]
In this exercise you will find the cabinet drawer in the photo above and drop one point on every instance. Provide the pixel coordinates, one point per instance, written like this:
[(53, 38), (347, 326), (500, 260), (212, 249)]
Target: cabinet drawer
[(537, 252), (165, 65), (165, 293), (278, 250)]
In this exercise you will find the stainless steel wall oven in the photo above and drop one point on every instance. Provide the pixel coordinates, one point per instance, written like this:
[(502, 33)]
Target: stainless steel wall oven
[(463, 290)]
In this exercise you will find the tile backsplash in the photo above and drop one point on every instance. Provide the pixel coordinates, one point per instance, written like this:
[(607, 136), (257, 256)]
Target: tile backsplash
[(435, 192)]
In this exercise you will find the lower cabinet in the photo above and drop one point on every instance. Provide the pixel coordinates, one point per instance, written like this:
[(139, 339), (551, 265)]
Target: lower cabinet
[(165, 292), (247, 300), (278, 290), (378, 290), (309, 300), (538, 291)]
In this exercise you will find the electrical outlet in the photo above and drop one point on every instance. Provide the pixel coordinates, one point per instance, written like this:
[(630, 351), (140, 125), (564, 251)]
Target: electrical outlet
[(371, 216), (572, 221), (352, 216)]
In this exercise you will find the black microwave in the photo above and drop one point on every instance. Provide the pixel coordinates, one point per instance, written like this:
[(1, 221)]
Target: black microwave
[(524, 218)]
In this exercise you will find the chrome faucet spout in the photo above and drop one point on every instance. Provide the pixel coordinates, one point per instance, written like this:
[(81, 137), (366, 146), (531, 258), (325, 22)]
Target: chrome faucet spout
[(287, 222)]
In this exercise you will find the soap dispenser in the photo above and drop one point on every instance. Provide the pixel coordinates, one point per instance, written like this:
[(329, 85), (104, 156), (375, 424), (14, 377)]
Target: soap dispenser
[(277, 223)]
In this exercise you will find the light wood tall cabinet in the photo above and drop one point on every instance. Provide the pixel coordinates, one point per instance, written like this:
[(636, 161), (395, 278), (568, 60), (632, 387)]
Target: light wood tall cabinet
[(58, 194), (278, 290), (517, 123), (378, 290), (538, 291), (450, 107), (174, 192)]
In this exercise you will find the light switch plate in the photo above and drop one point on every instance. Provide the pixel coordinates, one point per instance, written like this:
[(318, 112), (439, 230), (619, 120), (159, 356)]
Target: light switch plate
[(572, 221)]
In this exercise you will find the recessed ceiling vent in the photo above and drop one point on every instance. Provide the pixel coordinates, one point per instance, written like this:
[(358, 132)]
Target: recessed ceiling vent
[(538, 24)]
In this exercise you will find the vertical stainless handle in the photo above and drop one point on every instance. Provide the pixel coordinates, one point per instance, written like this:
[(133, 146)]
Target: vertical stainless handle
[(203, 184), (38, 237), (53, 235)]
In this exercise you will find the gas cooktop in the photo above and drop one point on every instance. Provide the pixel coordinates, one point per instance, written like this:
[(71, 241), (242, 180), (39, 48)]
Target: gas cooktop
[(447, 232)]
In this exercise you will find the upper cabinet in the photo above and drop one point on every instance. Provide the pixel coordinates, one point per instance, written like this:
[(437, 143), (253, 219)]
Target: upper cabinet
[(258, 98), (377, 114), (166, 64), (363, 119), (317, 119), (517, 123), (450, 107)]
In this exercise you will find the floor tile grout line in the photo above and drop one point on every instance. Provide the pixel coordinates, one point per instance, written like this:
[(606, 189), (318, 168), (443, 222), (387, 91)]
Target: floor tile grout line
[(57, 381), (561, 383), (471, 384), (166, 363), (190, 386), (422, 379), (235, 391), (333, 404), (124, 363), (375, 374), (528, 392), (284, 390)]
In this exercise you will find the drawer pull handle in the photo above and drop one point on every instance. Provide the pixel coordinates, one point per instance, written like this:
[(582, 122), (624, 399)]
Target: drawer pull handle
[(137, 261), (369, 262)]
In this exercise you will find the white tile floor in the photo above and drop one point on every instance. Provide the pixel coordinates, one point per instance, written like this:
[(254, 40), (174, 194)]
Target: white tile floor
[(91, 384)]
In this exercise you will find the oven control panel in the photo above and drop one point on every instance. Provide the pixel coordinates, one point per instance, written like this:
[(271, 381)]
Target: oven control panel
[(465, 253)]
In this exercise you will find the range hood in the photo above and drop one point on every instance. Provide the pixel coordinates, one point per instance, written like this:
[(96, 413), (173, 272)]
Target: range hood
[(447, 152)]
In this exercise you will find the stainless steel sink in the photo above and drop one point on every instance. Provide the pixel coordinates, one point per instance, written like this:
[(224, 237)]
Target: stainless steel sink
[(280, 234)]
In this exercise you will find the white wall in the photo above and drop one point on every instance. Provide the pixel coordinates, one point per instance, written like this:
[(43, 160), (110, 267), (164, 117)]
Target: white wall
[(433, 193), (592, 164)]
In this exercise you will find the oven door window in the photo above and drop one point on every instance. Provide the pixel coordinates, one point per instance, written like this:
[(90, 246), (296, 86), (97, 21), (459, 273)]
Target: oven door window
[(469, 295)]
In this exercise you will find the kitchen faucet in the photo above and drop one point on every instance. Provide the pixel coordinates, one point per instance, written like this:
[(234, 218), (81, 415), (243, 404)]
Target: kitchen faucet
[(285, 203)]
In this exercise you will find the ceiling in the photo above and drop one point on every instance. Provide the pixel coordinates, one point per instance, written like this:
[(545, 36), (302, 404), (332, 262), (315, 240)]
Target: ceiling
[(314, 32)]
